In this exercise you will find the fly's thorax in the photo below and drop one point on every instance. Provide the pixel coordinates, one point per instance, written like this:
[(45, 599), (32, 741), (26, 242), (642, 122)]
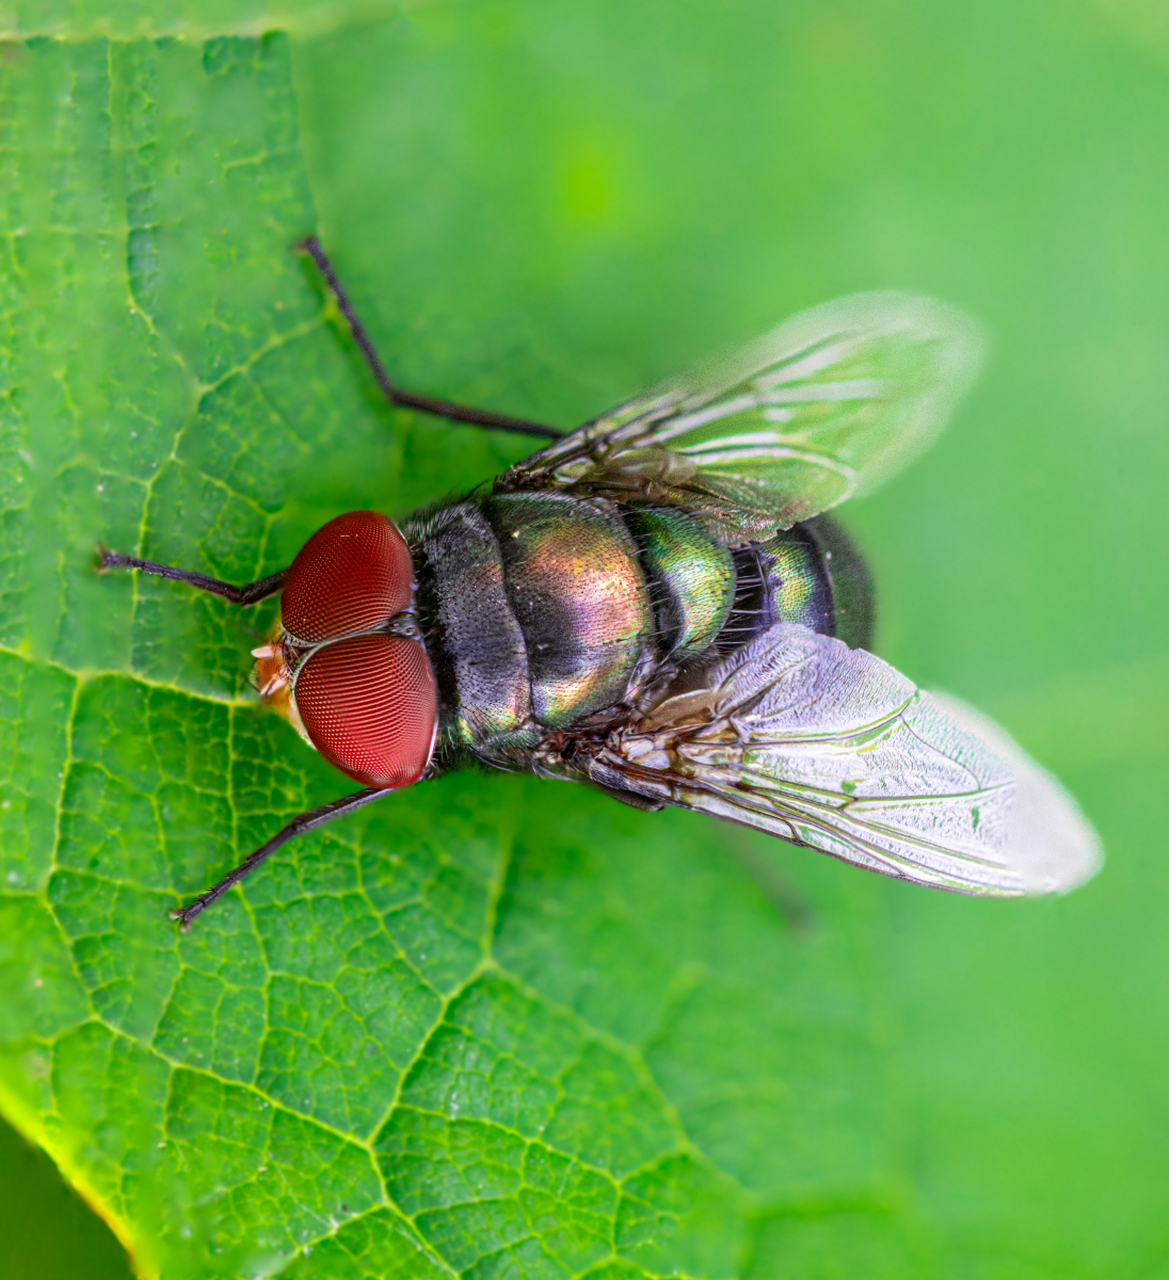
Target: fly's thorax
[(577, 589), (476, 644)]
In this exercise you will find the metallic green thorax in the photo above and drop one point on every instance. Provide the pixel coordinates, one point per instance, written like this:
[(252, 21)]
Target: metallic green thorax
[(542, 609), (578, 591)]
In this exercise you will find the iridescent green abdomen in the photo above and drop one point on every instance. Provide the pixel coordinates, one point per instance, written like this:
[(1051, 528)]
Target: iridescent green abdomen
[(691, 578), (809, 574), (783, 579)]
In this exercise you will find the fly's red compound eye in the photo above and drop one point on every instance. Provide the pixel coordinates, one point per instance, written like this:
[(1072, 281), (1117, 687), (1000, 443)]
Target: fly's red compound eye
[(370, 707), (353, 574)]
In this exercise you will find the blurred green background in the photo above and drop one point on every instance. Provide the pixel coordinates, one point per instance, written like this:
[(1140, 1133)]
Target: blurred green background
[(546, 207)]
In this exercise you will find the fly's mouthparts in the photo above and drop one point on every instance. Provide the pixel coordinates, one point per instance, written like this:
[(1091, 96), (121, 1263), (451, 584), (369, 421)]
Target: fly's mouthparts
[(272, 673)]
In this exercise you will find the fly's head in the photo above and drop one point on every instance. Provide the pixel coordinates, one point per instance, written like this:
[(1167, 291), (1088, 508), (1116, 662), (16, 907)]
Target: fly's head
[(347, 667)]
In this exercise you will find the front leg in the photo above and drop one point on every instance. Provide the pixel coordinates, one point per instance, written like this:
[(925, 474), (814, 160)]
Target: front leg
[(250, 593), (297, 827)]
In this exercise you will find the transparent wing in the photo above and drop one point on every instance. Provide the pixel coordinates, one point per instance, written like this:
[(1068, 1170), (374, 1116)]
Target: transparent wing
[(826, 406), (1049, 840), (802, 737)]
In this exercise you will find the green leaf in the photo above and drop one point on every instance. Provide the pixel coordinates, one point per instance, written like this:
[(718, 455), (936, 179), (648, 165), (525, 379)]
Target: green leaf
[(383, 1044), (494, 1027)]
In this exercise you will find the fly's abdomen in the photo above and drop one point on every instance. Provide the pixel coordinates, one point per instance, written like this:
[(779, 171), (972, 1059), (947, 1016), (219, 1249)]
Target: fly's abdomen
[(691, 578), (578, 592), (809, 574)]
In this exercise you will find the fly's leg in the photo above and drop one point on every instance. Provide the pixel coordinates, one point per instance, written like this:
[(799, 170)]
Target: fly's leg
[(250, 593), (297, 827), (407, 399)]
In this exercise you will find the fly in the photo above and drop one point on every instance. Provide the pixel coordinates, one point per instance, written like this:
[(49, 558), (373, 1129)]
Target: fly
[(657, 605)]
